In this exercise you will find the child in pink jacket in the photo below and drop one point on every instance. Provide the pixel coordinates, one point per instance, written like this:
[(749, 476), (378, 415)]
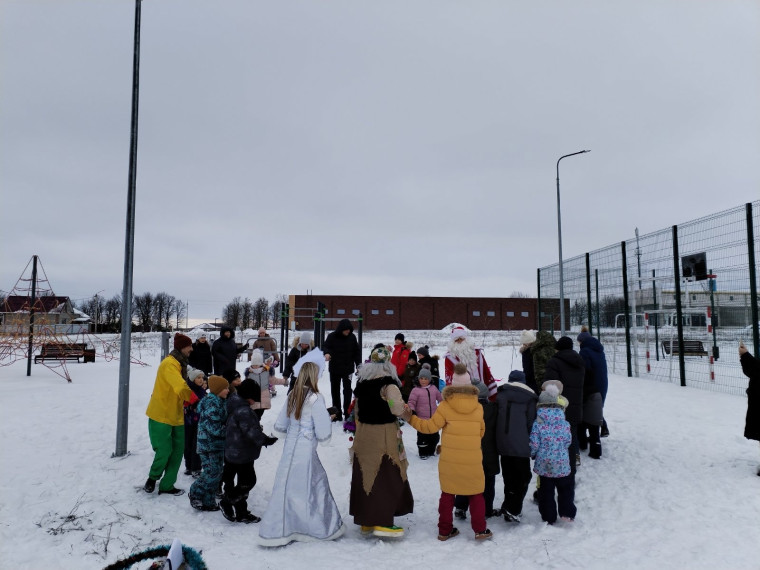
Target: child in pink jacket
[(423, 401)]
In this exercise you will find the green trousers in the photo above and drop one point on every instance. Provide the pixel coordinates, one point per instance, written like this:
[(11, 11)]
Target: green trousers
[(168, 443)]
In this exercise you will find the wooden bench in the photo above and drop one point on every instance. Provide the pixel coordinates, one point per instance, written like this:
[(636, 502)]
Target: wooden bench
[(690, 348), (63, 351)]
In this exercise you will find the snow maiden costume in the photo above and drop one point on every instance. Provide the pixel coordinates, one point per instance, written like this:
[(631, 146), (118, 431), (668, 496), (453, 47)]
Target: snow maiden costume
[(302, 506)]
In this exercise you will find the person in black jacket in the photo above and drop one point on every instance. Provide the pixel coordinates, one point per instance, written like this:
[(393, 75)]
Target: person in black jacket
[(423, 354), (343, 352), (567, 366), (244, 439), (517, 412), (751, 369), (225, 351), (200, 357)]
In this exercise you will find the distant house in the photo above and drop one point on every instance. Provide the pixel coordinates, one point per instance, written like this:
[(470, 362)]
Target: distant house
[(50, 311)]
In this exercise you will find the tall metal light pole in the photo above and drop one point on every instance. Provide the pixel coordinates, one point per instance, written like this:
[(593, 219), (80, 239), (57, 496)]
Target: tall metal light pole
[(559, 235), (122, 419)]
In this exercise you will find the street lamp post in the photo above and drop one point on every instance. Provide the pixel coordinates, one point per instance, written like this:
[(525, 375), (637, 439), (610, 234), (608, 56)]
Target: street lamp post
[(559, 237)]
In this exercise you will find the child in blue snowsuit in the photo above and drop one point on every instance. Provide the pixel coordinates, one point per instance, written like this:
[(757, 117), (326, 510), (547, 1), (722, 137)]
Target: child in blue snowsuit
[(212, 430)]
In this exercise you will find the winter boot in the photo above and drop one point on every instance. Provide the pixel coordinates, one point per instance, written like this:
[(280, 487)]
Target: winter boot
[(486, 534), (443, 537), (150, 485), (227, 510)]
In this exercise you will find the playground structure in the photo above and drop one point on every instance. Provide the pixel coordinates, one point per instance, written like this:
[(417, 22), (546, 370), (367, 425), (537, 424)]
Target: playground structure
[(33, 335)]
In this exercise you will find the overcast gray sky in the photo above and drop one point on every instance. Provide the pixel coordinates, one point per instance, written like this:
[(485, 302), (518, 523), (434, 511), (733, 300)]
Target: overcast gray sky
[(368, 148)]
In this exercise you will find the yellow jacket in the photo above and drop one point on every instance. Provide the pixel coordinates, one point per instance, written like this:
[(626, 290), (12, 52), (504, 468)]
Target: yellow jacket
[(169, 392), (460, 415)]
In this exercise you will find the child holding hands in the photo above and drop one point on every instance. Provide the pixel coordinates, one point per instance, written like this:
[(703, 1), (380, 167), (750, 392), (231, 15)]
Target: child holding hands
[(460, 468), (423, 401)]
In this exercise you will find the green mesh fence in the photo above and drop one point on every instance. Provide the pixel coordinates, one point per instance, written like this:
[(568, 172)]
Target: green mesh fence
[(691, 294)]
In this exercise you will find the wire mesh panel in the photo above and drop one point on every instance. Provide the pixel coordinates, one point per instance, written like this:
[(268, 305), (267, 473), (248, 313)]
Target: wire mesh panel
[(689, 296)]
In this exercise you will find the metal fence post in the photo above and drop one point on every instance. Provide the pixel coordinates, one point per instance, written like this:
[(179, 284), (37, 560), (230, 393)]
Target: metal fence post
[(360, 318), (753, 279), (656, 318), (588, 293), (596, 289), (627, 310), (538, 278), (679, 311)]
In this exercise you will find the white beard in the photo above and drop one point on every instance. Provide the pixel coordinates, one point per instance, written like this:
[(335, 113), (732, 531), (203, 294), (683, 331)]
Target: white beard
[(465, 352)]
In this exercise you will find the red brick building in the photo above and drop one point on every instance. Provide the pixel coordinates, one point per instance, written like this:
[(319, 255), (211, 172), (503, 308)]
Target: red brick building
[(420, 313)]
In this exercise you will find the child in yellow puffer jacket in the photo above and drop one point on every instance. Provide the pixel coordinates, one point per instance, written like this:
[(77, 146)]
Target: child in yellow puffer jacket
[(460, 468)]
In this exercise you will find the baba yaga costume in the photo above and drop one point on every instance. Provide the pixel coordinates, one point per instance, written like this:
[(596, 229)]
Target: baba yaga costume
[(302, 506), (379, 487)]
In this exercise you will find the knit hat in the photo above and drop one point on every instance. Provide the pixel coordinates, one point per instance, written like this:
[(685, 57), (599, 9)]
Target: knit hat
[(193, 373), (380, 354), (181, 341), (584, 336), (550, 396), (400, 337), (425, 372), (257, 358), (216, 384), (413, 355), (262, 330), (306, 338), (517, 376), (556, 383), (458, 332), (230, 374), (527, 337), (423, 351), (482, 390), (249, 390), (461, 377), (564, 343)]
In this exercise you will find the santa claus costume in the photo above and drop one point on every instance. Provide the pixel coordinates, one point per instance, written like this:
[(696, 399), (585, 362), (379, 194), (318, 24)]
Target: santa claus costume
[(462, 349)]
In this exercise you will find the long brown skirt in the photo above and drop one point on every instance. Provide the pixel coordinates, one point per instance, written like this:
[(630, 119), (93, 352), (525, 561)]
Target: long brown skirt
[(390, 497)]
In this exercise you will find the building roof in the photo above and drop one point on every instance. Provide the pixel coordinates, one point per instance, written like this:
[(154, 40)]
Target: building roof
[(45, 304)]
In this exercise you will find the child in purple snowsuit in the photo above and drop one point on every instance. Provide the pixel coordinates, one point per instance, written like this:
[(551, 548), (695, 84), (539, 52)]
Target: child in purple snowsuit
[(549, 439)]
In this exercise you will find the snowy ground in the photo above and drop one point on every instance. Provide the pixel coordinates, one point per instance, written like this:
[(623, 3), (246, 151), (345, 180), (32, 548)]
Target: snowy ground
[(676, 487)]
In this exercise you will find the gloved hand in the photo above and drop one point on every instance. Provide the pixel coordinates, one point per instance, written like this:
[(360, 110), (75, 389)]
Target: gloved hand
[(269, 441)]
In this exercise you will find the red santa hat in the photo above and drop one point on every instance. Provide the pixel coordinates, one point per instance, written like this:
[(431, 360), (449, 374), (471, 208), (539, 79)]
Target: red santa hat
[(458, 332)]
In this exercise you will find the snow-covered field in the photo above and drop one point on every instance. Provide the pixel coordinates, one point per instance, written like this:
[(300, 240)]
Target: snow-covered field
[(676, 487)]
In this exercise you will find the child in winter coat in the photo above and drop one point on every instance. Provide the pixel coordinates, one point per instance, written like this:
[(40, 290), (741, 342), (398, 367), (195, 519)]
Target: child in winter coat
[(409, 377), (517, 412), (549, 441), (258, 371), (423, 401), (197, 383), (211, 435), (460, 468), (424, 357), (401, 351), (244, 440)]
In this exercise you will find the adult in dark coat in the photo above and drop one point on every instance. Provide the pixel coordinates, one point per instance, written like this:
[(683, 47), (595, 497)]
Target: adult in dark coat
[(588, 430), (343, 352), (517, 412), (751, 369), (224, 351), (567, 366), (200, 357)]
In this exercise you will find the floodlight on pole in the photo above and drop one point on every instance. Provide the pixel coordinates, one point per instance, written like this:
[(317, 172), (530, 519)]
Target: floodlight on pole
[(559, 237)]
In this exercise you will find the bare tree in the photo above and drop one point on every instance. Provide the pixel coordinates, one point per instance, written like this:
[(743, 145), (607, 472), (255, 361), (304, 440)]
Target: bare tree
[(180, 310), (144, 311), (164, 306), (112, 313), (232, 312), (279, 303), (247, 315), (260, 312), (520, 295)]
